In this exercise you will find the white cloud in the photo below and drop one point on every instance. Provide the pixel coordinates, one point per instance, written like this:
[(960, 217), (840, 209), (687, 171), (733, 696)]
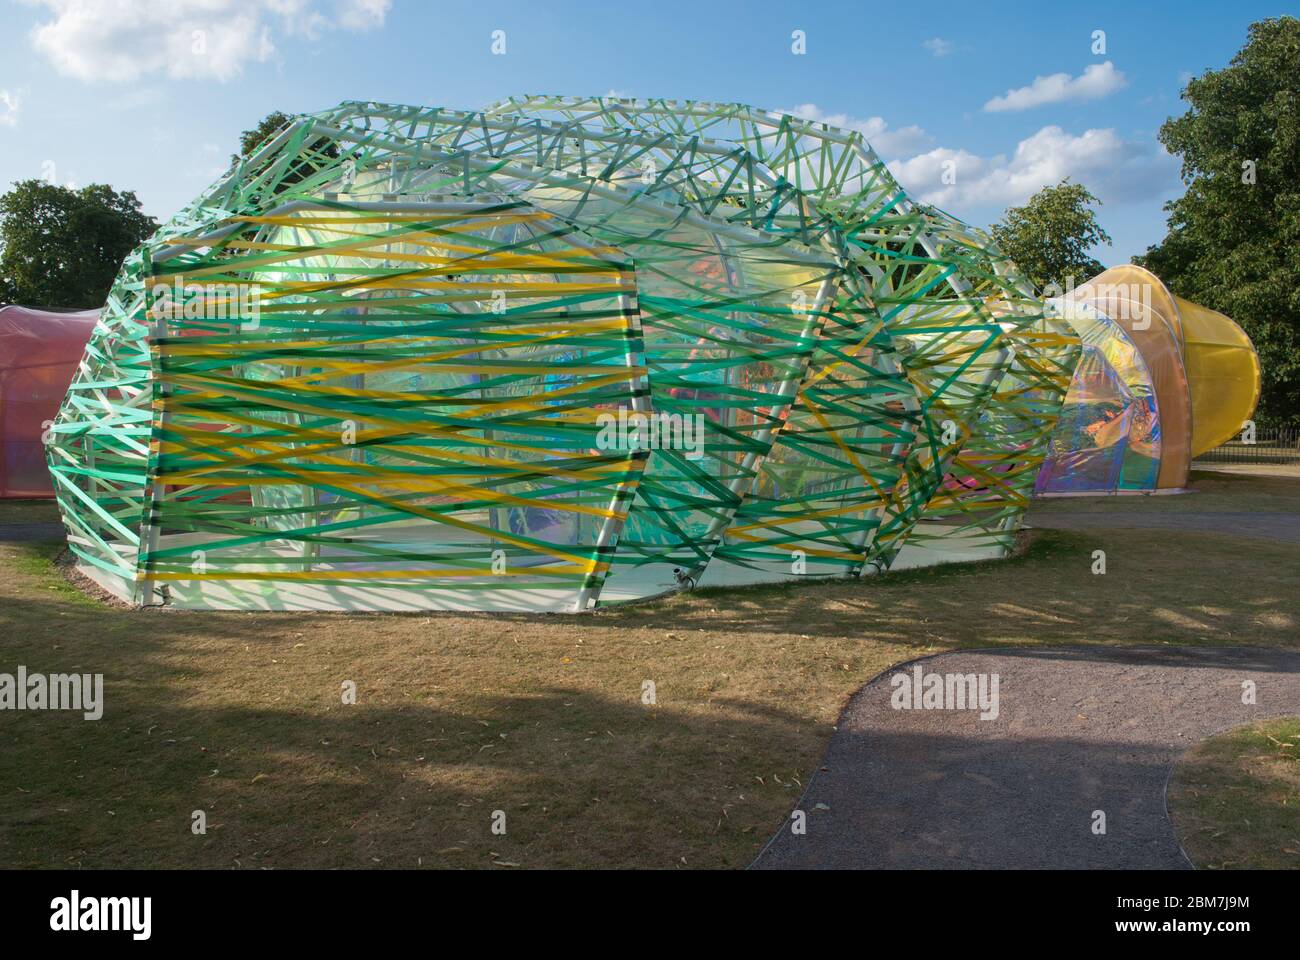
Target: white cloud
[(938, 46), (10, 105), (1098, 80), (1115, 169), (886, 142), (121, 41), (363, 14)]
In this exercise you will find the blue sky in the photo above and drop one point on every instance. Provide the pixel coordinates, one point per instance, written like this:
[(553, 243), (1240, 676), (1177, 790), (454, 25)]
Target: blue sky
[(150, 95)]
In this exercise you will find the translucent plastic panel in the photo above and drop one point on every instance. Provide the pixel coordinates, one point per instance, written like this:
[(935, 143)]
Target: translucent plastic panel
[(1135, 299), (831, 482), (411, 409), (728, 320), (39, 352), (1107, 439), (1223, 371), (817, 500)]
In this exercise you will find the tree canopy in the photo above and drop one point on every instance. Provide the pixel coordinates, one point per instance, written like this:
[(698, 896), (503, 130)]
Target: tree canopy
[(1050, 236), (1234, 237), (61, 247), (272, 124), (250, 140)]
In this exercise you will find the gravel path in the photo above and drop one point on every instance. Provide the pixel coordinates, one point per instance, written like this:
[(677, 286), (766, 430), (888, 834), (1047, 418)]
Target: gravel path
[(1269, 526), (19, 532), (1079, 729)]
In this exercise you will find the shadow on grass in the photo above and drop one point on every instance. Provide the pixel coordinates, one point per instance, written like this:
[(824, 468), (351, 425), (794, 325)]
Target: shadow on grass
[(583, 781), (408, 777), (1176, 587), (541, 717)]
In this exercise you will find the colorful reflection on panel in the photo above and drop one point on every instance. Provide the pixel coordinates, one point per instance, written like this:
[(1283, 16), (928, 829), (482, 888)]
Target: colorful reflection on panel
[(1107, 439)]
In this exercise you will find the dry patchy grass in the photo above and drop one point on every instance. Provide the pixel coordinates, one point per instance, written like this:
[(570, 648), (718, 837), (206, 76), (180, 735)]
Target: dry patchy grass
[(539, 716), (1235, 798)]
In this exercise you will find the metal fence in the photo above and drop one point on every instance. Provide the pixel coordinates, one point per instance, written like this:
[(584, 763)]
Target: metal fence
[(1269, 445)]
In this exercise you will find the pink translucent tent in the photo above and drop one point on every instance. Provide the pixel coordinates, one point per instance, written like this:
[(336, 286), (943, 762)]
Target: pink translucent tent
[(39, 352)]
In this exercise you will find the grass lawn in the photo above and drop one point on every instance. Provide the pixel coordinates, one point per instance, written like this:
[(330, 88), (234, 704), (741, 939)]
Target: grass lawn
[(542, 716), (1235, 798)]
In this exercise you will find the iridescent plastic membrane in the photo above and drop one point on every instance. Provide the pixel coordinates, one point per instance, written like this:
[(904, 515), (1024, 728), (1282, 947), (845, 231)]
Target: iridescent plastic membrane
[(1166, 379), (1107, 438)]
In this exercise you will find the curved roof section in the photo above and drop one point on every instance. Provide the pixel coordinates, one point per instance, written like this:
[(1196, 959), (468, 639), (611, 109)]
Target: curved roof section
[(1137, 300), (1223, 371), (1107, 438)]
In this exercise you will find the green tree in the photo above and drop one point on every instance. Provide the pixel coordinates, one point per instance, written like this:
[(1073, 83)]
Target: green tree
[(319, 155), (1233, 240), (63, 248), (1050, 236), (250, 140)]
